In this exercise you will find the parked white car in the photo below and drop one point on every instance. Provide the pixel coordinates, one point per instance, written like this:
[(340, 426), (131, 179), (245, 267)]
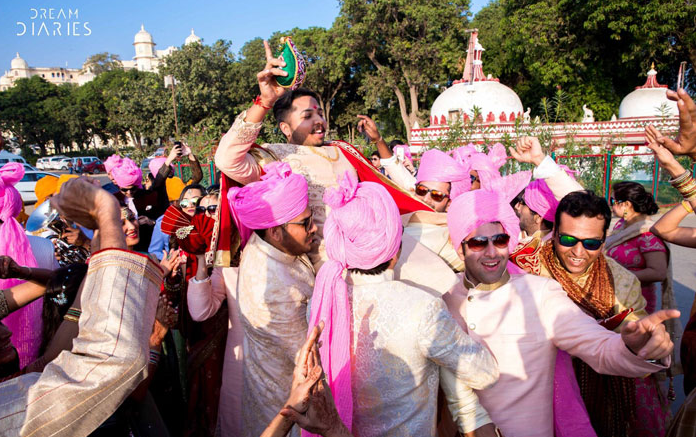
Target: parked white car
[(41, 163), (53, 162), (27, 184)]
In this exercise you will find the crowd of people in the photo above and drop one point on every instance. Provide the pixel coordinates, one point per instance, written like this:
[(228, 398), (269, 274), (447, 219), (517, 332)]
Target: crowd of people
[(316, 291)]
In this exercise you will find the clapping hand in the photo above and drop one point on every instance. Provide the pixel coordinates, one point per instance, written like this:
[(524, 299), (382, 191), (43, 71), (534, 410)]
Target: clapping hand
[(170, 261), (647, 337), (662, 154)]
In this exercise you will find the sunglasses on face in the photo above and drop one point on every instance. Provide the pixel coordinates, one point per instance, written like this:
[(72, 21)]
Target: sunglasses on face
[(587, 243), (473, 178), (477, 244), (186, 203), (128, 189), (307, 223), (614, 201), (436, 195), (210, 209)]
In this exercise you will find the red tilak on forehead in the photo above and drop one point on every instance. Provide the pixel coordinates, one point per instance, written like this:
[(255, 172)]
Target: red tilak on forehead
[(315, 107)]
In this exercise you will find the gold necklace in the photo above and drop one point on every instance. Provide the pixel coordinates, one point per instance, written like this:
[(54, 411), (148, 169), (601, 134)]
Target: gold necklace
[(328, 158)]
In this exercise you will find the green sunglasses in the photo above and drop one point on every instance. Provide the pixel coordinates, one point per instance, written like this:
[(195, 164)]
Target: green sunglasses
[(587, 243)]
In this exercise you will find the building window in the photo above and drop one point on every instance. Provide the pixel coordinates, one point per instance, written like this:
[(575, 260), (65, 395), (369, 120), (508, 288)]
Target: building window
[(71, 76), (16, 74), (43, 75), (53, 74)]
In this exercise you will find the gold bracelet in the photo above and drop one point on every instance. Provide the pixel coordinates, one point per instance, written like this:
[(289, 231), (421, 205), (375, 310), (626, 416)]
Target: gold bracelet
[(71, 318), (687, 206), (679, 179)]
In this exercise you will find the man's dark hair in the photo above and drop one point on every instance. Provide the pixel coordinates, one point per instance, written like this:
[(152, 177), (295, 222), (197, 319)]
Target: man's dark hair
[(393, 143), (374, 154), (284, 104), (584, 203), (374, 270)]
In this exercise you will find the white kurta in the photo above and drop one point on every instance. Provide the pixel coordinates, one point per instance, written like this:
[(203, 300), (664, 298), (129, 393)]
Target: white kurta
[(402, 335)]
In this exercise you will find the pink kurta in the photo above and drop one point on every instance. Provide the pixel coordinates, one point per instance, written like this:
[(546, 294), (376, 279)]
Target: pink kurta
[(524, 321)]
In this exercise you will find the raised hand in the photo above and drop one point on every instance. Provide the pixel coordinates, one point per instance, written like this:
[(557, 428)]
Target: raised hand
[(662, 154), (685, 143), (82, 202), (647, 337), (528, 150), (368, 126), (307, 372), (270, 90), (170, 261)]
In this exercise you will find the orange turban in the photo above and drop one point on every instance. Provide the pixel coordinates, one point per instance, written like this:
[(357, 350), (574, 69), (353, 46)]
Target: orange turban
[(45, 187)]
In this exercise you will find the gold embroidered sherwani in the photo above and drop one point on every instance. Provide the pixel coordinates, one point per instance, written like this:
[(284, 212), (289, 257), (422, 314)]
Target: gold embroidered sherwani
[(401, 337), (81, 388), (273, 290)]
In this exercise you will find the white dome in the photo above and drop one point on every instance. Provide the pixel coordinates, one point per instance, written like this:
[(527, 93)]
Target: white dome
[(649, 100), (193, 38), (19, 63), (143, 36), (489, 96)]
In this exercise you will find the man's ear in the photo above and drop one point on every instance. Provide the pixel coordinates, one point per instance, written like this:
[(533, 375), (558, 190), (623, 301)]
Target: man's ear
[(460, 251), (285, 129), (537, 219), (275, 234)]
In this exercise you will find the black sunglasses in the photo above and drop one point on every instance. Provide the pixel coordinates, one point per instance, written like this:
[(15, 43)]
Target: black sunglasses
[(307, 223), (613, 201), (436, 195), (130, 189), (210, 208), (587, 243), (477, 244)]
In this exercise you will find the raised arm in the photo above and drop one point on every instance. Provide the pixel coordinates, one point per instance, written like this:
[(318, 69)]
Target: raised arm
[(231, 156)]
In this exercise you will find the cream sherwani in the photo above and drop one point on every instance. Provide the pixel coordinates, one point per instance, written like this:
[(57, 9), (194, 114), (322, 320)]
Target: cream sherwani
[(81, 388), (273, 291), (401, 337), (524, 320)]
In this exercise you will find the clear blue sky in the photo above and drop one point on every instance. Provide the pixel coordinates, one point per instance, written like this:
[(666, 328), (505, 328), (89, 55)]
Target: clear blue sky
[(113, 24)]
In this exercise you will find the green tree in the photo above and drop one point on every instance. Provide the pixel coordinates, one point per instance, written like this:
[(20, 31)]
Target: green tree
[(411, 46), (101, 62)]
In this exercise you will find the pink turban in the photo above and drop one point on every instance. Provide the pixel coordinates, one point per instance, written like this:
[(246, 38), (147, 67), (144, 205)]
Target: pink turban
[(277, 198), (475, 208), (487, 166), (25, 323), (111, 162), (437, 166), (127, 174), (363, 230), (155, 165), (539, 198)]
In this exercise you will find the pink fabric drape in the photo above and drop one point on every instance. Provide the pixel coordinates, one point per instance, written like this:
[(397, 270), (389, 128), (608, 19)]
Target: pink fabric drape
[(127, 174), (363, 230), (25, 323), (570, 418)]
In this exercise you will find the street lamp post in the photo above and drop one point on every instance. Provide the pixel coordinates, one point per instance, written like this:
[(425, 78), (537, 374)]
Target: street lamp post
[(170, 80)]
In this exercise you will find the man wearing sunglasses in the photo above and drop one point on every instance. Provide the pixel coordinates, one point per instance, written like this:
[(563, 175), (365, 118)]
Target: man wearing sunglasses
[(525, 319), (267, 297)]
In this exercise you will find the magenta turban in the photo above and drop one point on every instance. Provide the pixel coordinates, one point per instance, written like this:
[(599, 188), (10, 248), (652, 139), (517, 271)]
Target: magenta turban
[(478, 207), (437, 166), (127, 174), (539, 198), (277, 198), (25, 323), (155, 165), (111, 162), (363, 230)]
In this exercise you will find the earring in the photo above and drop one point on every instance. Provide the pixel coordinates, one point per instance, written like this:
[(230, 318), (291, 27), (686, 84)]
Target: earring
[(625, 214)]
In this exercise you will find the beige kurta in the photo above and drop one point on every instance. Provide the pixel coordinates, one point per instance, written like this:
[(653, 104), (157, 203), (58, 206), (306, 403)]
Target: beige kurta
[(81, 388), (273, 290)]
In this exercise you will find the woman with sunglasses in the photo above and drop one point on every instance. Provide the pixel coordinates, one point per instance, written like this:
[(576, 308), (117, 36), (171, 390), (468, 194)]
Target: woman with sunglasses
[(636, 248)]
